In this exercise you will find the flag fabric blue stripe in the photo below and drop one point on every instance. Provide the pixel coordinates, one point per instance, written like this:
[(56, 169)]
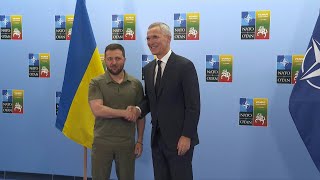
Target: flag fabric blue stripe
[(304, 103), (81, 48)]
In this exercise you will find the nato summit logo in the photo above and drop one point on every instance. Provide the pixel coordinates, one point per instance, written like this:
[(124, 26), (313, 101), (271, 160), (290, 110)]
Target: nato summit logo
[(12, 101), (219, 68), (58, 96), (63, 27), (253, 112), (255, 24), (39, 65), (146, 59), (11, 27), (288, 67), (124, 27), (186, 26)]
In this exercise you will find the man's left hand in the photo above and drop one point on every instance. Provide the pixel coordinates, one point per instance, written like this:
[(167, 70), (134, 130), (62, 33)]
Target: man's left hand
[(183, 145), (138, 149)]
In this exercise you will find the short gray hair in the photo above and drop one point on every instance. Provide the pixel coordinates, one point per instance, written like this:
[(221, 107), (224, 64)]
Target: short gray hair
[(163, 27)]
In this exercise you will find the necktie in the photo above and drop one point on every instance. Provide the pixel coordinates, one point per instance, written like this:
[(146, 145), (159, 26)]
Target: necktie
[(158, 79)]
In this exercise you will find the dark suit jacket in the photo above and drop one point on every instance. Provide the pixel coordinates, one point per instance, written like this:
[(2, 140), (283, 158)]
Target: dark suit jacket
[(176, 107)]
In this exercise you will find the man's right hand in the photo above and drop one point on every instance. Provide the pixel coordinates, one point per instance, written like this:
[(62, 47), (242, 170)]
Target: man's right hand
[(135, 112), (129, 115)]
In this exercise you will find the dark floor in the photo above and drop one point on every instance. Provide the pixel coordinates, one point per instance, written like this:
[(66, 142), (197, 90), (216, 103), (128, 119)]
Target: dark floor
[(5, 175)]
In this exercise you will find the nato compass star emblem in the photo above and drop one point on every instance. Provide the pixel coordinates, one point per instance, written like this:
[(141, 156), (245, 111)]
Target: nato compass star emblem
[(147, 60), (6, 96), (33, 59), (118, 21), (180, 19), (248, 18), (284, 62), (314, 70), (60, 21), (246, 105), (5, 21), (212, 61)]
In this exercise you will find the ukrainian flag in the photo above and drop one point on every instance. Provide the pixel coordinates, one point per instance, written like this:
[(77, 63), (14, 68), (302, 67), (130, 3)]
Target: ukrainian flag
[(74, 117)]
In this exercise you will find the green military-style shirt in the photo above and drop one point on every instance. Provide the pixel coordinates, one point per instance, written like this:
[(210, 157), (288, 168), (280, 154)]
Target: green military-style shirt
[(115, 131)]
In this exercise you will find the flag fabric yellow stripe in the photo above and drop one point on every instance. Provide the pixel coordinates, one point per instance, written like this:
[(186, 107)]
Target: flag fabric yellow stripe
[(74, 117), (83, 132)]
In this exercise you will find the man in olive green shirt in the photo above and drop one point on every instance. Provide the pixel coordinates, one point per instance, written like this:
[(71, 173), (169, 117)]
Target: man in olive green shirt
[(114, 131)]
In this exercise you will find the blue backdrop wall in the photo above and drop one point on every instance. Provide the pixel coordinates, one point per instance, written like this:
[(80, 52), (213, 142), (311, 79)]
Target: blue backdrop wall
[(29, 142)]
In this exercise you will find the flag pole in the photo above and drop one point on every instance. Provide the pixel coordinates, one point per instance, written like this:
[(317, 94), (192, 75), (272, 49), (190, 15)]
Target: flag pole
[(85, 150)]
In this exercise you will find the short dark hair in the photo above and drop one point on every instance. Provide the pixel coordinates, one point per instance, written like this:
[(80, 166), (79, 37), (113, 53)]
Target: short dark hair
[(115, 46)]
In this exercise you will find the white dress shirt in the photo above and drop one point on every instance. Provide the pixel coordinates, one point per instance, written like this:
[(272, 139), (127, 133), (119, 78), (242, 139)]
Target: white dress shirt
[(164, 61)]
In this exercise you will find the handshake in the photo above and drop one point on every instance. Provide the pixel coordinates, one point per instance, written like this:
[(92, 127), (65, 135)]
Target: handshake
[(132, 113)]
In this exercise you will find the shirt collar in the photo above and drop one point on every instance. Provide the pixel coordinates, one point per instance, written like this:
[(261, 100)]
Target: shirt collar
[(109, 79), (166, 57)]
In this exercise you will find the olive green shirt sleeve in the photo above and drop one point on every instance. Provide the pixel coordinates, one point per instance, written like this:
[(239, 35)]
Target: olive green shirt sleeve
[(94, 91)]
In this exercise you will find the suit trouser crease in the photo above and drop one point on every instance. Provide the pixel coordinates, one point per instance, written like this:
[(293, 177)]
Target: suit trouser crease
[(167, 164)]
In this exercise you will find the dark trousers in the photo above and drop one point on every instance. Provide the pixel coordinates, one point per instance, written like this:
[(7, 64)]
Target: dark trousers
[(167, 165), (102, 156)]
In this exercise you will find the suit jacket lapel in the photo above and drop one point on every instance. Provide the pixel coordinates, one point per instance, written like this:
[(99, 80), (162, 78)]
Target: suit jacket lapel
[(166, 73), (150, 73)]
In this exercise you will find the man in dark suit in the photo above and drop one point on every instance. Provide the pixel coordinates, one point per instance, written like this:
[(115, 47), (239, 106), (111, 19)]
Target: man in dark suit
[(173, 98)]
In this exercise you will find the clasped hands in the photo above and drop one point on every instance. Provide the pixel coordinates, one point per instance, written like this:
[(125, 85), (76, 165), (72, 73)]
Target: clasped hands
[(131, 113)]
